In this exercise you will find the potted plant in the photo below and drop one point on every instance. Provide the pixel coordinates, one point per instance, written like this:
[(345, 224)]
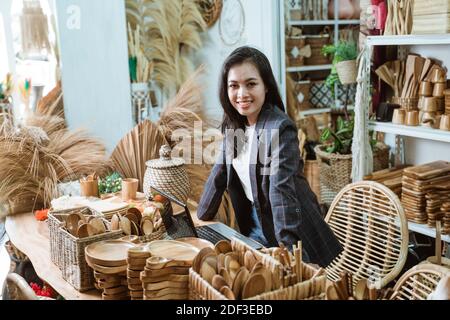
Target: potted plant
[(344, 62)]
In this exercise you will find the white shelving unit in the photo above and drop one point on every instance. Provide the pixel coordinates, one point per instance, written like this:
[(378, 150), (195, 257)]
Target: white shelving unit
[(417, 132), (408, 131), (336, 23), (320, 110)]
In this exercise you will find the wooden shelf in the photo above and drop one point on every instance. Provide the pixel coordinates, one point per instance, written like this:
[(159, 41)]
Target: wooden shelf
[(322, 22), (314, 111), (309, 68), (437, 39), (408, 131)]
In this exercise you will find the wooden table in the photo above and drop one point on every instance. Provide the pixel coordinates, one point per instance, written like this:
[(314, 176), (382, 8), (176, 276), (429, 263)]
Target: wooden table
[(32, 238)]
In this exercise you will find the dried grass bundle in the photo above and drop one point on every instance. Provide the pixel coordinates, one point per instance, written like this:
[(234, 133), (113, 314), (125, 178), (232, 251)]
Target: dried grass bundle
[(137, 147), (171, 30), (39, 156)]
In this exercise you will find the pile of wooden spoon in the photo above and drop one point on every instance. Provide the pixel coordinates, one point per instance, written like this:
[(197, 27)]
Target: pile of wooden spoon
[(228, 274), (81, 226), (134, 223)]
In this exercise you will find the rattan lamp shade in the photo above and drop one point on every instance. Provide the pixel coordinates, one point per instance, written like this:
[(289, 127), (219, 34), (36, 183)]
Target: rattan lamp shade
[(168, 175)]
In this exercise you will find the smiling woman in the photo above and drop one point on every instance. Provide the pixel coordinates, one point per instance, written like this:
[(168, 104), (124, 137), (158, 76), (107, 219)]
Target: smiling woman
[(263, 171)]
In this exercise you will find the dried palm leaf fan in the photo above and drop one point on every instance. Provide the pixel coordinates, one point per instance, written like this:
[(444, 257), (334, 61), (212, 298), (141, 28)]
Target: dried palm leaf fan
[(211, 10), (34, 28), (139, 145), (34, 159)]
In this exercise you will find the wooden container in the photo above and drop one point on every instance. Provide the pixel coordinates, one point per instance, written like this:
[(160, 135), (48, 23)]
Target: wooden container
[(293, 47), (200, 289), (431, 17)]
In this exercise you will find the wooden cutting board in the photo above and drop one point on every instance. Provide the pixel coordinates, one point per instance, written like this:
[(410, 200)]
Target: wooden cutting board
[(429, 170)]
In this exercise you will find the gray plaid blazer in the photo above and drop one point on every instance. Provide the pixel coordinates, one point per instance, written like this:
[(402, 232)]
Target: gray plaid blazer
[(287, 208)]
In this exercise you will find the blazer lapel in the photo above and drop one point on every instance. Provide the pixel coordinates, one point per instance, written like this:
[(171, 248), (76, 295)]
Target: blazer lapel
[(260, 124)]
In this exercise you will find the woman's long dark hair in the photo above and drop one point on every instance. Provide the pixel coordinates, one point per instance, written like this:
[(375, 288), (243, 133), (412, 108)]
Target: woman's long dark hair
[(232, 119)]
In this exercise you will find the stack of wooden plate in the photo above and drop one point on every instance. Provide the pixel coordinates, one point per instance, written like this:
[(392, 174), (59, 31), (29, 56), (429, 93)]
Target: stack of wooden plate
[(391, 178), (109, 261), (417, 182), (107, 208), (166, 273), (445, 209), (137, 258)]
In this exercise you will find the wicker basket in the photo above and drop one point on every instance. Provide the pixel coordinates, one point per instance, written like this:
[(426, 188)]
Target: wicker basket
[(200, 289), (317, 42), (168, 175), (55, 221), (347, 71), (336, 169), (69, 251)]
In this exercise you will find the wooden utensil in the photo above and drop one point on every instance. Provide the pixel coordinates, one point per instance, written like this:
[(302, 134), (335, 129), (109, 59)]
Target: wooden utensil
[(109, 253), (249, 260), (223, 246), (239, 281), (361, 290), (218, 282), (254, 286), (259, 268), (98, 225), (197, 262), (228, 293), (332, 293), (172, 249), (226, 276)]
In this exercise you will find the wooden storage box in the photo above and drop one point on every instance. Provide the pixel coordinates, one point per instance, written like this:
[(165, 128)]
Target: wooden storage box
[(431, 17), (293, 46), (309, 289)]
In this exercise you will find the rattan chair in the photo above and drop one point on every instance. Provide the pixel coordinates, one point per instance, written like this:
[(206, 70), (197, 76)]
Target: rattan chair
[(419, 282), (18, 289), (369, 221)]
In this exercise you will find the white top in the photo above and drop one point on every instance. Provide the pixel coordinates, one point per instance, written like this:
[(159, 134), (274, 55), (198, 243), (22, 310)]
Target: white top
[(242, 163)]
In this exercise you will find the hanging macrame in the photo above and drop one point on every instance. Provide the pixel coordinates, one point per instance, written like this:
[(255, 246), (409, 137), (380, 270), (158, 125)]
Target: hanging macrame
[(34, 28), (361, 150)]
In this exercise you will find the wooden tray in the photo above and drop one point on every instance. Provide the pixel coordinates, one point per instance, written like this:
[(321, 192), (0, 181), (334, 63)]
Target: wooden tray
[(197, 242), (110, 253), (174, 250), (427, 171)]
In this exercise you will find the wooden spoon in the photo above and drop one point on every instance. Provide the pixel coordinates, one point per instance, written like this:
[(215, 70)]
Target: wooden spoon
[(218, 282), (147, 226), (238, 282), (254, 286), (85, 230), (72, 223), (125, 225), (223, 246)]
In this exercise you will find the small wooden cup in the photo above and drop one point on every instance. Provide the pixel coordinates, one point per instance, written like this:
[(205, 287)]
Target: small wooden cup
[(429, 104), (412, 118), (399, 116), (426, 89), (445, 122), (129, 188), (89, 188), (438, 90)]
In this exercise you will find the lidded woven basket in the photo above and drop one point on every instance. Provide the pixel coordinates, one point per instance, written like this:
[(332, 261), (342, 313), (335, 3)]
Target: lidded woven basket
[(168, 175)]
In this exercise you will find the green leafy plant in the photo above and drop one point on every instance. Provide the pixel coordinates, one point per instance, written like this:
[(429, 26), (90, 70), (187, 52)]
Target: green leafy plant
[(110, 184), (343, 51), (341, 140)]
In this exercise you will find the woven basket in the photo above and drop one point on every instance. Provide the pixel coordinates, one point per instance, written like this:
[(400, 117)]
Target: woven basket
[(336, 169), (69, 252), (317, 42), (200, 289), (55, 221), (347, 71), (168, 175)]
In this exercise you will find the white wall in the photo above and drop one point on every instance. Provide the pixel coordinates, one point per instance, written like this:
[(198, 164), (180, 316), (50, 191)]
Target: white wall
[(261, 31), (95, 76)]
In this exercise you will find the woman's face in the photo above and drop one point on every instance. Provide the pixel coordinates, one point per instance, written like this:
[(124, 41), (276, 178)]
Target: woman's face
[(246, 90)]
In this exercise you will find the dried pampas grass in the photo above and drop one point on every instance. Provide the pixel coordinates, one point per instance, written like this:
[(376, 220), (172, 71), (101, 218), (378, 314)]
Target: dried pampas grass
[(36, 158), (171, 30), (52, 104)]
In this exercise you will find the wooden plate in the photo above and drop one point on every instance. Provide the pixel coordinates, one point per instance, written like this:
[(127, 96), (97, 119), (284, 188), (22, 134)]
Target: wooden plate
[(171, 249), (109, 253), (197, 242)]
